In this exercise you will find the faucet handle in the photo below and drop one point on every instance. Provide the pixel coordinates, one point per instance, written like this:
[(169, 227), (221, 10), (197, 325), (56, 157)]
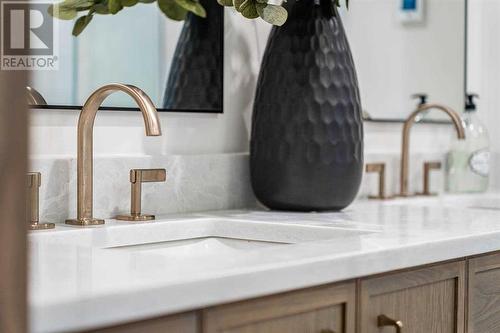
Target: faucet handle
[(147, 175), (380, 169), (426, 185), (33, 183), (137, 177)]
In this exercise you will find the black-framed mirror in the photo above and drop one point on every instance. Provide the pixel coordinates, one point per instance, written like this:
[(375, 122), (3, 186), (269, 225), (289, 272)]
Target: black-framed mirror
[(365, 18), (179, 64)]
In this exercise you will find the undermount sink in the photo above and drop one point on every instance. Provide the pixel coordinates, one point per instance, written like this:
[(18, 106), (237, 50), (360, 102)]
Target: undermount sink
[(173, 249), (215, 236), (204, 246)]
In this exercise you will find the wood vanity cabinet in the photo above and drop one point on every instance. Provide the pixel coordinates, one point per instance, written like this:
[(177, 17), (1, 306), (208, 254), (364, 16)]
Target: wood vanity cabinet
[(425, 300), (317, 310), (428, 299), (185, 323), (484, 294)]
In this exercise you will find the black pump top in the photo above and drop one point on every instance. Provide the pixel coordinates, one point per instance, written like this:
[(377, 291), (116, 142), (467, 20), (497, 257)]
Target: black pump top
[(422, 97), (470, 105)]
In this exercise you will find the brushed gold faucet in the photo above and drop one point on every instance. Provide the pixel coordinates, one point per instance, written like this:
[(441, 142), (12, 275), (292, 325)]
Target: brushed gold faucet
[(85, 144), (34, 97), (405, 154)]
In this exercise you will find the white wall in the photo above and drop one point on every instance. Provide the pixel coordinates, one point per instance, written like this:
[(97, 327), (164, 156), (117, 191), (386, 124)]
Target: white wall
[(484, 63), (396, 60), (484, 69), (122, 133)]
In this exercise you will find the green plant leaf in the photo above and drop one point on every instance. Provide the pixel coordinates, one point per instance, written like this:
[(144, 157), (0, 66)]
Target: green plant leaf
[(147, 1), (228, 3), (172, 10), (129, 3), (62, 12), (273, 14), (81, 24), (101, 8), (114, 6), (249, 10), (77, 4), (67, 10), (237, 4), (193, 6)]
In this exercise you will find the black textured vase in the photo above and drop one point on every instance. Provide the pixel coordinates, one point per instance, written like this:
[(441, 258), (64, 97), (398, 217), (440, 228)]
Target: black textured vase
[(306, 150), (195, 78)]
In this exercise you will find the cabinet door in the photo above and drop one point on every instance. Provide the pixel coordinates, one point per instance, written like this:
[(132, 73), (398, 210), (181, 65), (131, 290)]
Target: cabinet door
[(185, 323), (316, 310), (426, 300), (13, 152), (484, 294)]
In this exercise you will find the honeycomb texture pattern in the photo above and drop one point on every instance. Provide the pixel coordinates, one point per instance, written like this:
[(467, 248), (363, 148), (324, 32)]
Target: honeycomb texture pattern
[(307, 131), (195, 79)]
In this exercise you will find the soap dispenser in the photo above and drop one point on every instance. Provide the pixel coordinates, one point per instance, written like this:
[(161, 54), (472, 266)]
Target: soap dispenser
[(422, 101), (468, 162)]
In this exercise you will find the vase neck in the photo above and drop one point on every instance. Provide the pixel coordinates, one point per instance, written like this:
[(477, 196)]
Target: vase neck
[(326, 7)]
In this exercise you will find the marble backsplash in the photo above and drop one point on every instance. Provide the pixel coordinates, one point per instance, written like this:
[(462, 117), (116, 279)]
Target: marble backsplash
[(194, 183)]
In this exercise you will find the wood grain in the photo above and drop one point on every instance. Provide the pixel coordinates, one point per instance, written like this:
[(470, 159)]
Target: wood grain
[(484, 294), (310, 310), (185, 323), (13, 156), (427, 300), (312, 321)]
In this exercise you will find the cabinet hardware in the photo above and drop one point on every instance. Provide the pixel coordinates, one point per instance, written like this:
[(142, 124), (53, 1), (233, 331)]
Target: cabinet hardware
[(383, 321)]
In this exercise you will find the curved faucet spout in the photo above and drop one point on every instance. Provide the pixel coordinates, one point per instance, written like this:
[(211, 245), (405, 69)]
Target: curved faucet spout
[(405, 154), (33, 97), (85, 144)]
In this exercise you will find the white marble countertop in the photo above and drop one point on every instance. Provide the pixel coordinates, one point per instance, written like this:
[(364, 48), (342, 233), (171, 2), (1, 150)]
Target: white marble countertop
[(76, 284)]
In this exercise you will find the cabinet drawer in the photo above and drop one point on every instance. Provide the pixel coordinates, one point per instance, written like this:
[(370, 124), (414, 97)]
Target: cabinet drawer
[(426, 300), (484, 294), (185, 323), (316, 310)]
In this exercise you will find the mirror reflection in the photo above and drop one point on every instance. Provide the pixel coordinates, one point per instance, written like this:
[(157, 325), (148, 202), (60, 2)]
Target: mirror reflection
[(400, 52), (177, 63)]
